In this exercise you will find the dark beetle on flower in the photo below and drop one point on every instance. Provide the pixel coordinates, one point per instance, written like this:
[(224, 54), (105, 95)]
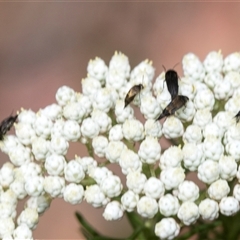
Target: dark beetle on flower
[(178, 102), (237, 117), (132, 93), (6, 125)]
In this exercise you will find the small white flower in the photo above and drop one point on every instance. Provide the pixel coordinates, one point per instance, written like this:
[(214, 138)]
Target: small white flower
[(28, 170), (234, 79), (150, 107), (103, 100), (223, 90), (71, 130), (133, 130), (187, 112), (213, 148), (236, 192), (229, 206), (102, 119), (135, 181), (115, 79), (74, 111), (97, 69), (213, 62), (54, 185), (168, 205), (209, 209), (25, 133), (85, 103), (186, 88), (6, 175), (208, 171), (64, 95), (87, 163), (55, 164), (188, 191), (113, 211), (192, 134), (113, 151), (129, 200), (204, 99), (20, 155), (218, 189), (41, 203), (27, 116), (172, 128), (73, 172), (172, 177), (28, 216), (149, 150), (34, 186), (213, 78), (232, 134), (202, 118), (188, 213), (90, 86), (58, 145), (123, 113), (22, 232), (153, 128), (52, 111), (193, 155), (43, 126), (10, 142), (167, 228), (115, 133), (111, 186), (232, 62), (99, 173), (6, 226), (228, 167), (40, 148), (171, 157), (154, 188), (18, 188), (212, 131), (73, 193), (89, 128), (233, 149), (8, 197), (7, 210), (147, 207), (95, 196), (129, 161), (232, 104), (100, 144)]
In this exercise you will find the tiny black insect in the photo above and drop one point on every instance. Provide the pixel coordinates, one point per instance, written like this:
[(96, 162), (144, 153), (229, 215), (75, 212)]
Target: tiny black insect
[(132, 93), (237, 117), (171, 78), (178, 102), (6, 125)]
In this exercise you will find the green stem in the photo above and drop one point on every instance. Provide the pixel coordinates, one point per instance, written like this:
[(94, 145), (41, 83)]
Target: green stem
[(90, 149)]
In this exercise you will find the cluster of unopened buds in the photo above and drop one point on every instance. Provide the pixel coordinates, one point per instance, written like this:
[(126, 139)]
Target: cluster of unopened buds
[(104, 119)]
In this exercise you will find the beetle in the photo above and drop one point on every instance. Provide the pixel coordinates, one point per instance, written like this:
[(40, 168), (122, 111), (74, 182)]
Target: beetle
[(6, 125), (178, 102), (132, 93)]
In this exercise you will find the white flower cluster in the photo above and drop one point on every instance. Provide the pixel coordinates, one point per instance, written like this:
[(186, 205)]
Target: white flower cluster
[(39, 169)]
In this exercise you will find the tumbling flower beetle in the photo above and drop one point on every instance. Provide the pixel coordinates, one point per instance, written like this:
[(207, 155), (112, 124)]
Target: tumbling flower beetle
[(237, 117), (132, 93), (6, 125), (178, 102), (171, 78)]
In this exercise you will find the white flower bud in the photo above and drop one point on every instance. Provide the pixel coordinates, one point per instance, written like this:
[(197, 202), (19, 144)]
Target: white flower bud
[(232, 62), (202, 118), (41, 203), (150, 107), (129, 200), (115, 79), (90, 86), (238, 174), (167, 228), (89, 128), (153, 128), (149, 150), (133, 130), (102, 119), (28, 170), (204, 99), (100, 144), (20, 155), (25, 133), (135, 181), (154, 188), (73, 172), (10, 142), (232, 134), (187, 112), (97, 69), (172, 177), (212, 148), (34, 186), (99, 173), (192, 134), (129, 161), (168, 205), (209, 209), (188, 213), (233, 78), (6, 226), (55, 164), (232, 104), (188, 191), (8, 197), (52, 111), (213, 62), (212, 131), (64, 95), (40, 148), (213, 78), (22, 232), (85, 102), (123, 113), (115, 133), (87, 163), (159, 84), (228, 168), (113, 211), (18, 188), (28, 216), (103, 100), (236, 191), (57, 129), (27, 116), (73, 193), (171, 157), (218, 189), (43, 126), (58, 145), (74, 111), (192, 67), (6, 175), (7, 210), (223, 90), (233, 149), (111, 186), (229, 206), (71, 130), (208, 171), (147, 207), (95, 196), (54, 186), (172, 128), (113, 151)]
